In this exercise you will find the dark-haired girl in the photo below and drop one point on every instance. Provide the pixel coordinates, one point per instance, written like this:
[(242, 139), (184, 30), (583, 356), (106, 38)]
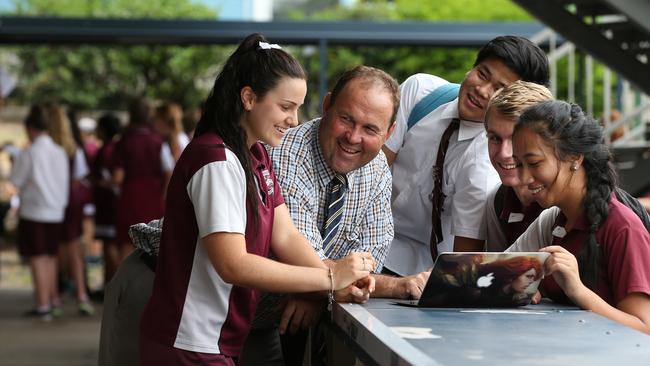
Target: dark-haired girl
[(600, 250), (141, 169), (224, 213)]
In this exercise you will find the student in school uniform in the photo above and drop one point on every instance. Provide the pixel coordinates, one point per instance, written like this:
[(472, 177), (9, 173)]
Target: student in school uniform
[(225, 212), (448, 145), (71, 254), (599, 247), (105, 199), (141, 170), (41, 175), (510, 207)]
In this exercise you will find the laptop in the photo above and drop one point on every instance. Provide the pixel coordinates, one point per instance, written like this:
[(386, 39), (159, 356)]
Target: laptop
[(482, 280)]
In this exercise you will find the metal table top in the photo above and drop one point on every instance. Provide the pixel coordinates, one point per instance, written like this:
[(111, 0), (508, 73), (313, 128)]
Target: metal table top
[(534, 335)]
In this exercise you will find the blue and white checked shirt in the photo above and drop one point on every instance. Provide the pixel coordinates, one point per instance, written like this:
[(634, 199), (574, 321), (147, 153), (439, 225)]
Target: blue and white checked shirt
[(303, 174)]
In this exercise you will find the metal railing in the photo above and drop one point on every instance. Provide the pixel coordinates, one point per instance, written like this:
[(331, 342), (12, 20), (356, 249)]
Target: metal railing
[(633, 105)]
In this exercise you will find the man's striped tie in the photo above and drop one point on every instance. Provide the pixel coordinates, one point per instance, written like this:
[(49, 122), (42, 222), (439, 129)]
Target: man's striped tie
[(334, 210)]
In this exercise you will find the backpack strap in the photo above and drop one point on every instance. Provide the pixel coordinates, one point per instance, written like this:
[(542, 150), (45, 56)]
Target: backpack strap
[(439, 96), (498, 204), (634, 204)]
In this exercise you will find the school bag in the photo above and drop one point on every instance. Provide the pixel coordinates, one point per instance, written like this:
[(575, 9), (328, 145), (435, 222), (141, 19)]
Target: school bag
[(438, 96), (634, 205)]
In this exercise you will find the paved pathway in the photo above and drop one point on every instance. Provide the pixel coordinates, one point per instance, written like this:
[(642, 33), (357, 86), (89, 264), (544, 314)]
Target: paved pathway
[(71, 340)]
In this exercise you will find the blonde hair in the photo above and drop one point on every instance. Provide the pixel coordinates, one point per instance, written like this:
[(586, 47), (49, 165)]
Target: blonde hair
[(58, 127), (511, 101)]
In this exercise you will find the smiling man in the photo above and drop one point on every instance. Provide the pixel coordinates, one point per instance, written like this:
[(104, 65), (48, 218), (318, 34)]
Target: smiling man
[(337, 185), (451, 137)]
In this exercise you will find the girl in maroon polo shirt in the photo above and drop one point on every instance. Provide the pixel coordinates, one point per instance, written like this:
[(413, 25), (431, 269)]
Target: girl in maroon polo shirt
[(104, 196), (600, 250), (141, 170), (225, 212)]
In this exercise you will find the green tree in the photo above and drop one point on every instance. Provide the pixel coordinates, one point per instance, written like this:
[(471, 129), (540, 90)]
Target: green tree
[(401, 62), (108, 76), (449, 63)]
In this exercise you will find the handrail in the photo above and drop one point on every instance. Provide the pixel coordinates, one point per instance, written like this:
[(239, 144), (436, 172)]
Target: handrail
[(633, 105)]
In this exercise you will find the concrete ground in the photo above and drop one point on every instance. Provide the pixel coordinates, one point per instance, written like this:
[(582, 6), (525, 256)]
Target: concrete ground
[(71, 340)]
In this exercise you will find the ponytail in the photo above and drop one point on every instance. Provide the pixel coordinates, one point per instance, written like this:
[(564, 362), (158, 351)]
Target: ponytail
[(261, 69)]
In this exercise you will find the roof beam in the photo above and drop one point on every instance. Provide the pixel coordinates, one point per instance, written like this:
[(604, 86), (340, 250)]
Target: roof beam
[(94, 31)]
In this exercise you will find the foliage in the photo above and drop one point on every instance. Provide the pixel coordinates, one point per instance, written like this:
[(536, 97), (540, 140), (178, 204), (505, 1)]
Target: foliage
[(114, 8), (401, 62), (416, 10), (108, 76)]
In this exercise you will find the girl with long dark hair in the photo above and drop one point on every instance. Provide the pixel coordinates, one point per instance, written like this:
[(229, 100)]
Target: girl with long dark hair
[(600, 249), (225, 212)]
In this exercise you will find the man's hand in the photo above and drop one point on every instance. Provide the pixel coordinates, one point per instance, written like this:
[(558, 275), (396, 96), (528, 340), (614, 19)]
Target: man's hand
[(358, 292), (410, 287), (300, 313)]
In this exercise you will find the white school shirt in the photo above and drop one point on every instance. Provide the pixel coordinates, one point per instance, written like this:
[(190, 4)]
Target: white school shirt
[(41, 172), (183, 140), (166, 156), (81, 169), (468, 177), (539, 234)]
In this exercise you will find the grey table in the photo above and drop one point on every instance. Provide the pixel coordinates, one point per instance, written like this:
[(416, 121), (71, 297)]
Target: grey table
[(543, 334)]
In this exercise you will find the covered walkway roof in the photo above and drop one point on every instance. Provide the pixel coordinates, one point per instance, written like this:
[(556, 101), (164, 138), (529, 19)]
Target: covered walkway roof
[(96, 31), (22, 30)]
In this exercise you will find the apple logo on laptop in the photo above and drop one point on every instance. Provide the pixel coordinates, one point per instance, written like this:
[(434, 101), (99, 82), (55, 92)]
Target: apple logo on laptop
[(485, 281)]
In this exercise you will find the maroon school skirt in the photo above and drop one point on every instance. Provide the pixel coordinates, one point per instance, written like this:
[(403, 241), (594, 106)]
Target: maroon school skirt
[(72, 223), (38, 238)]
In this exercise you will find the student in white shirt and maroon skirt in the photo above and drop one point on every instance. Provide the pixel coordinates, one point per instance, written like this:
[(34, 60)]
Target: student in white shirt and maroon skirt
[(41, 173)]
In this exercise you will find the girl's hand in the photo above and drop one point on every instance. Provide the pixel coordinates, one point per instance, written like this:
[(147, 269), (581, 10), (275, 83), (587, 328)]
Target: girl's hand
[(351, 268), (564, 268)]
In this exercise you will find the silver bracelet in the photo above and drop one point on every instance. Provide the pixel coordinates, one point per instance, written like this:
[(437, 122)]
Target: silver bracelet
[(330, 295)]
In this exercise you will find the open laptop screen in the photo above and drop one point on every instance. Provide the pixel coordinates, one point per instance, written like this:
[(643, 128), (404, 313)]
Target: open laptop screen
[(483, 279)]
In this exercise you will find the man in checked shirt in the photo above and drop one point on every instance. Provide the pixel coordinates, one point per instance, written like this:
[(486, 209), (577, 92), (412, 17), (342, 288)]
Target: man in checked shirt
[(358, 117)]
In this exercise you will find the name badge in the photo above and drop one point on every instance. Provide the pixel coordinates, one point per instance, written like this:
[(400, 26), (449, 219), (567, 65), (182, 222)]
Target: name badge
[(268, 181), (559, 232), (515, 217)]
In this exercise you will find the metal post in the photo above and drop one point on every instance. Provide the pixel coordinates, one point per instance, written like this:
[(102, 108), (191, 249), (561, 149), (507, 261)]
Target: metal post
[(552, 47), (589, 84), (571, 77), (607, 101)]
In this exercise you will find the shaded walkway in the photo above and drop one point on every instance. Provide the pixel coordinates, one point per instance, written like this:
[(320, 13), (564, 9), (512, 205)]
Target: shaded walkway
[(70, 340)]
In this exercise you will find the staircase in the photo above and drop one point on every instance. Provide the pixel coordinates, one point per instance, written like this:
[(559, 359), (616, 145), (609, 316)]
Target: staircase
[(617, 34)]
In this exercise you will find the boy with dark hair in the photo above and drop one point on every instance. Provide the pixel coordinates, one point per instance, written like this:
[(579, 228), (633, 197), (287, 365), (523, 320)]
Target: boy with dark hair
[(441, 168)]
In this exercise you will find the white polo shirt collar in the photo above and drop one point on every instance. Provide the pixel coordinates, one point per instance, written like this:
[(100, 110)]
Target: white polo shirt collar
[(468, 129)]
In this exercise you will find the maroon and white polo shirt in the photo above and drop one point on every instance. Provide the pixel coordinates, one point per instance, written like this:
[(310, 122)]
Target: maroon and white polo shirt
[(191, 307)]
